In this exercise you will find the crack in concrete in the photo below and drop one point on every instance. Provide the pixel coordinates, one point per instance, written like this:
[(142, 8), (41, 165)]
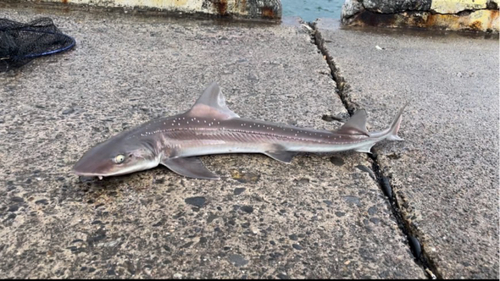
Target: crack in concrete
[(404, 223), (334, 71), (421, 256)]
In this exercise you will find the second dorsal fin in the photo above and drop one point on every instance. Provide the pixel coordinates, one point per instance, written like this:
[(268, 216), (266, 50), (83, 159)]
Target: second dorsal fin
[(356, 125), (212, 104)]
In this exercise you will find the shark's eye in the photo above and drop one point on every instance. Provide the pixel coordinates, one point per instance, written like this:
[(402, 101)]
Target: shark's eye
[(119, 159)]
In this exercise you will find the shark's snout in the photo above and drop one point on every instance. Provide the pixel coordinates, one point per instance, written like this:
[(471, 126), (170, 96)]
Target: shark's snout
[(95, 162), (90, 167), (115, 157)]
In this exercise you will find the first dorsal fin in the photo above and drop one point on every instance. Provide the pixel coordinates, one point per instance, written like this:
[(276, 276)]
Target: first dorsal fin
[(212, 104), (356, 125)]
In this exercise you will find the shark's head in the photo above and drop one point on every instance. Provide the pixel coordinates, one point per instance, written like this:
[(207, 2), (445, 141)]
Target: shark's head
[(117, 156)]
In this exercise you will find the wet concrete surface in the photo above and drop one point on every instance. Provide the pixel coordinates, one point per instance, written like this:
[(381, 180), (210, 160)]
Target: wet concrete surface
[(445, 173), (321, 216)]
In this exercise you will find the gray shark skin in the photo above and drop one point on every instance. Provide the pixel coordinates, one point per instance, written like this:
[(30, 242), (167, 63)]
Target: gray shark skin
[(210, 127)]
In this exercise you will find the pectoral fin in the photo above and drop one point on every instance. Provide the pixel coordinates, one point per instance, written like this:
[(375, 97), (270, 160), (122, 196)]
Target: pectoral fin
[(190, 167)]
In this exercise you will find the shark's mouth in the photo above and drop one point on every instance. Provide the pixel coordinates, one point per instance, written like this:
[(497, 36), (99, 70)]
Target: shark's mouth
[(100, 176), (126, 170)]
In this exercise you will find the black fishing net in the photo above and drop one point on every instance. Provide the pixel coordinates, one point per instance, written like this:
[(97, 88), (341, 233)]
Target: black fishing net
[(22, 42)]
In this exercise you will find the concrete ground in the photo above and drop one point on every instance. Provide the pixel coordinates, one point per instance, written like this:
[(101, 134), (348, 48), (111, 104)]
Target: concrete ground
[(445, 174), (322, 216)]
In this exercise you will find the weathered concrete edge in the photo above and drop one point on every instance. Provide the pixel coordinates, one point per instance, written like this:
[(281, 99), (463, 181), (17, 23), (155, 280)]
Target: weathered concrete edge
[(433, 14), (402, 217), (262, 10)]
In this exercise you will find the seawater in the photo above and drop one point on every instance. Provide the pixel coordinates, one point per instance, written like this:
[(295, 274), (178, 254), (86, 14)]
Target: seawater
[(310, 10)]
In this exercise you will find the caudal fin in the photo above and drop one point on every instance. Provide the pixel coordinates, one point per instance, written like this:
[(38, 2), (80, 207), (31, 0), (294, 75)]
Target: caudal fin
[(393, 134)]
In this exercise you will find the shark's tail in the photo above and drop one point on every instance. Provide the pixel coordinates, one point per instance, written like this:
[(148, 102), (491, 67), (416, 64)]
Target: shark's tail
[(393, 135)]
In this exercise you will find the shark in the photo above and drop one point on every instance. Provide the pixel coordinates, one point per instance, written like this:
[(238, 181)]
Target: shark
[(210, 127)]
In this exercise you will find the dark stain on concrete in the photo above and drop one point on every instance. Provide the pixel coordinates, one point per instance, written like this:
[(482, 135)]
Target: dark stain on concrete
[(198, 201), (238, 191), (237, 260), (337, 161)]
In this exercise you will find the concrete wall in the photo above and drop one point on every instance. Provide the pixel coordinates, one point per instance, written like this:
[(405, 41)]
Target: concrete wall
[(249, 9), (477, 15)]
